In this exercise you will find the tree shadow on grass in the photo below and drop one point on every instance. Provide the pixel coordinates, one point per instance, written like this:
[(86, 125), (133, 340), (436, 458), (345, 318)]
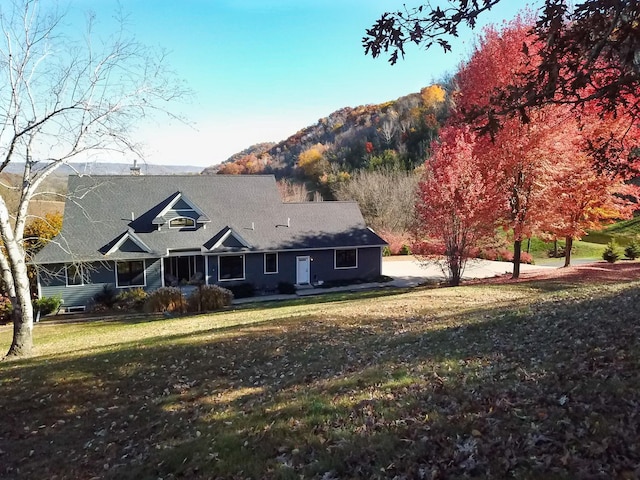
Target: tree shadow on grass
[(549, 390)]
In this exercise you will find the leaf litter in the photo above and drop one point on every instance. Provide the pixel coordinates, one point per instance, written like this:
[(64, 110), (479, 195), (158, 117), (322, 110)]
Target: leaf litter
[(536, 379)]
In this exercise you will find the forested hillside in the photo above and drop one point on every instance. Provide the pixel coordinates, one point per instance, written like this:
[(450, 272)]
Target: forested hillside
[(559, 174), (369, 154), (396, 134)]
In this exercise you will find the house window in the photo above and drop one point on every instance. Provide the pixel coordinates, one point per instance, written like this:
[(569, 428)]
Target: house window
[(183, 222), (75, 275), (181, 269), (231, 267), (347, 258), (270, 263), (130, 274)]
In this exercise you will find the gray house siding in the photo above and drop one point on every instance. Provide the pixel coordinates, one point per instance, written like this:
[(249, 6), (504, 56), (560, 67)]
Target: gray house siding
[(251, 272), (128, 218), (322, 268), (96, 275), (154, 274), (254, 271), (53, 283)]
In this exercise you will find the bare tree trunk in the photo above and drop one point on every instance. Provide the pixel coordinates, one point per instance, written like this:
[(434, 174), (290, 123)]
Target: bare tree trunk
[(22, 317), (455, 269), (14, 266), (517, 250), (455, 260), (7, 278), (21, 336), (19, 292), (57, 106), (567, 251)]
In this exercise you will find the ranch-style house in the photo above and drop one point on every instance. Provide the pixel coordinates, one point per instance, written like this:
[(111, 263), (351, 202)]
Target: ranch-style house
[(134, 231)]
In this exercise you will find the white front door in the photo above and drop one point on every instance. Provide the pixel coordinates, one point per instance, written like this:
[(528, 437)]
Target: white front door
[(302, 270)]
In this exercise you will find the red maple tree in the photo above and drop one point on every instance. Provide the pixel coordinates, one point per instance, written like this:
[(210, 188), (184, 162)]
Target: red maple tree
[(582, 196), (555, 155), (523, 153), (456, 199)]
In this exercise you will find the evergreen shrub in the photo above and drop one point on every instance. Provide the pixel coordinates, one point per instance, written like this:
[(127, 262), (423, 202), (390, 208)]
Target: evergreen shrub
[(243, 290), (132, 299), (611, 253), (286, 288), (46, 305), (104, 299), (632, 251)]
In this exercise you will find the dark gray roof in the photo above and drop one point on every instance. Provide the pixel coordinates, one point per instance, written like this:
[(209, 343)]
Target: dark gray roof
[(116, 217)]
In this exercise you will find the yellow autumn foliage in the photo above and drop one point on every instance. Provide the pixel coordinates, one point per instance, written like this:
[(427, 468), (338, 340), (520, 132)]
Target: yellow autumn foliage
[(433, 96), (313, 163)]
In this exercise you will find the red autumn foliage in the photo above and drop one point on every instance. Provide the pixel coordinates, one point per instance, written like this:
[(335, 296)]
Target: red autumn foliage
[(523, 154), (396, 240), (538, 160), (456, 199), (369, 147), (247, 165), (582, 199)]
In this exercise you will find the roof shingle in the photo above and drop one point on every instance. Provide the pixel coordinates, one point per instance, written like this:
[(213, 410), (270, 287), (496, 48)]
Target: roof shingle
[(99, 210)]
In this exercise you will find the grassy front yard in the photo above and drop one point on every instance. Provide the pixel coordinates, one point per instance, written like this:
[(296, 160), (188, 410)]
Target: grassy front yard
[(584, 249), (527, 380)]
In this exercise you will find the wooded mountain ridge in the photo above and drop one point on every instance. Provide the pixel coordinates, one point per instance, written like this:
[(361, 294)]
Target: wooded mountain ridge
[(397, 132)]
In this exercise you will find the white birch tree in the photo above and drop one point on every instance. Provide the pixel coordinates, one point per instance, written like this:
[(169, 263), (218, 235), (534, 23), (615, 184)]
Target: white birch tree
[(63, 97)]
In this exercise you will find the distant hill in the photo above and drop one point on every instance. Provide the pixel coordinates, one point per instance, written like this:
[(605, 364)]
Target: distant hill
[(40, 208), (398, 131), (55, 185), (106, 168)]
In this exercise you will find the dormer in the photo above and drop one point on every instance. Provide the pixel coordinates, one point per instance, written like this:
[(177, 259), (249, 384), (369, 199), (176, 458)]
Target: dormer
[(181, 214), (128, 242), (226, 239)]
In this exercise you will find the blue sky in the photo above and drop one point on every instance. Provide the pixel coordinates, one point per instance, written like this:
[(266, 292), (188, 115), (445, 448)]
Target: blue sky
[(260, 70)]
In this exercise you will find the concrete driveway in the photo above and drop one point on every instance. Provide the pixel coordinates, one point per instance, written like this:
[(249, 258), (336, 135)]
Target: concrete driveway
[(411, 272)]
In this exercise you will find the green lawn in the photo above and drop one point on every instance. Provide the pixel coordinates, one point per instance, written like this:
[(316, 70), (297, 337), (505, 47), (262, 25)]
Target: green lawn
[(622, 232), (539, 249), (534, 380), (592, 245), (629, 227)]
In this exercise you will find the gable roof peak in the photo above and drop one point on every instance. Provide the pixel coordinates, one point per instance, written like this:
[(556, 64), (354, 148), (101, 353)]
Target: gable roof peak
[(219, 239), (173, 201), (115, 245)]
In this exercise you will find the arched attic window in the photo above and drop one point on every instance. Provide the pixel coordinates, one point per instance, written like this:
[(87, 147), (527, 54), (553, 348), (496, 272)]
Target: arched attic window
[(186, 223)]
